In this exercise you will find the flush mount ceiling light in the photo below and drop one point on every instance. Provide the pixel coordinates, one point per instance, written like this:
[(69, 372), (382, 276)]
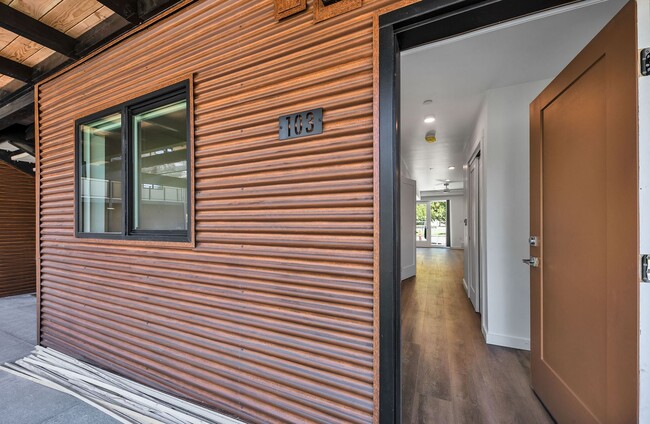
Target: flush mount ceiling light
[(451, 168), (429, 120), (430, 136)]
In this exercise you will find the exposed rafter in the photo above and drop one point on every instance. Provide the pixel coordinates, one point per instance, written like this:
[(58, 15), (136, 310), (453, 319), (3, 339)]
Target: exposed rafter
[(37, 31), (128, 9), (15, 69)]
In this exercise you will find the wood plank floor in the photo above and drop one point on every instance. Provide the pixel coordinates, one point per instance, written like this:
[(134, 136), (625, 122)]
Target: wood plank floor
[(450, 375)]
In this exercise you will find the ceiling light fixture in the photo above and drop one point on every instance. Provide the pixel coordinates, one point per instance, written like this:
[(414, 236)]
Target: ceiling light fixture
[(429, 120), (430, 136), (451, 168)]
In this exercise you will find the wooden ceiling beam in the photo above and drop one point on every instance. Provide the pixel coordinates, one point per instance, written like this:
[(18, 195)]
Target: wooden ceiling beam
[(35, 30), (15, 70), (128, 9)]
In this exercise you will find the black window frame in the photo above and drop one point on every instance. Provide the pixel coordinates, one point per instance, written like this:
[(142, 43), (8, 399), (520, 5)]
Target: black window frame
[(173, 93)]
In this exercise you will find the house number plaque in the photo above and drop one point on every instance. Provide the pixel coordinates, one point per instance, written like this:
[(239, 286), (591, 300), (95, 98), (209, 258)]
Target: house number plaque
[(301, 124)]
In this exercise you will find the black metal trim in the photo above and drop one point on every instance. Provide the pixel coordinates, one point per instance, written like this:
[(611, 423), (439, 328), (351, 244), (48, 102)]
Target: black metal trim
[(389, 215), (411, 26), (126, 110), (448, 223)]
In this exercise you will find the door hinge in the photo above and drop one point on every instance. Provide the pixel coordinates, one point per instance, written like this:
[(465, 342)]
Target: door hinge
[(645, 62), (644, 268)]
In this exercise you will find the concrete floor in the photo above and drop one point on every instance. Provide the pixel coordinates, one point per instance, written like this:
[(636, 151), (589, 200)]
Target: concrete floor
[(25, 402)]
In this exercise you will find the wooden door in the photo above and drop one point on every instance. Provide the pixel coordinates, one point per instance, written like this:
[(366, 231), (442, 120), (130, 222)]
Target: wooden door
[(474, 282), (584, 189), (407, 227)]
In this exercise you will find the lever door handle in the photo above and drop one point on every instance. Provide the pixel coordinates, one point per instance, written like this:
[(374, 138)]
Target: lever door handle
[(533, 261)]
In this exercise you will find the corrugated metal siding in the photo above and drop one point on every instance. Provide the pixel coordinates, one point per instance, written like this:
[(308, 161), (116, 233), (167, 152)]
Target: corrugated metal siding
[(270, 317), (17, 232)]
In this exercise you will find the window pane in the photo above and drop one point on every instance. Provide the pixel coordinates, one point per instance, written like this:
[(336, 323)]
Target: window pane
[(160, 168), (101, 176)]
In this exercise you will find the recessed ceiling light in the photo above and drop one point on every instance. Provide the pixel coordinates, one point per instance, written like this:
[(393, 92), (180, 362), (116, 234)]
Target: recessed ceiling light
[(451, 168), (448, 181), (429, 120)]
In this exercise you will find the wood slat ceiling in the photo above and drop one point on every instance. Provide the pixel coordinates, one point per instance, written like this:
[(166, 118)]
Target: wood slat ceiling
[(72, 17)]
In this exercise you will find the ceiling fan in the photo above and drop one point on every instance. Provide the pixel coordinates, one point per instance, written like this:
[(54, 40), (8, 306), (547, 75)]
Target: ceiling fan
[(446, 185)]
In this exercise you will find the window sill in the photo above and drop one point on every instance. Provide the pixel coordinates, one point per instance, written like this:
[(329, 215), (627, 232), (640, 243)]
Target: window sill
[(134, 242)]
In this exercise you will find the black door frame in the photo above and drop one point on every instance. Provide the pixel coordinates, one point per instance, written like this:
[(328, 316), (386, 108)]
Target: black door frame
[(408, 27), (448, 223)]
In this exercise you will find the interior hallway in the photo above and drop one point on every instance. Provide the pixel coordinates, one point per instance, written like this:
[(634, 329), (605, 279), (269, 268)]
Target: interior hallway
[(450, 375)]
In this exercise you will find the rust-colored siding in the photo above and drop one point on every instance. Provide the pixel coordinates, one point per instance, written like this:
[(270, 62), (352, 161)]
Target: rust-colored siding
[(17, 232), (270, 316)]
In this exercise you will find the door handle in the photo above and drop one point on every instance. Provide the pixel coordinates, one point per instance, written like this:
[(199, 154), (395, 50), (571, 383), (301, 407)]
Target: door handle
[(533, 261)]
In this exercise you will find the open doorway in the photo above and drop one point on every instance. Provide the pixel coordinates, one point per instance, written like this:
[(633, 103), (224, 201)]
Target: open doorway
[(432, 223), (464, 120)]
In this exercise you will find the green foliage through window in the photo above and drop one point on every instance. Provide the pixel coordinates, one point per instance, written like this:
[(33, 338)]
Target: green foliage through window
[(439, 211)]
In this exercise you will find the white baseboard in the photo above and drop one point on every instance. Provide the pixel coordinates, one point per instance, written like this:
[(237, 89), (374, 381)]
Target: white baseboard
[(408, 272), (466, 288), (506, 341)]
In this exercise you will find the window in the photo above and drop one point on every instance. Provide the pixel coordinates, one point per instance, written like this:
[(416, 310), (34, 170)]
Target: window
[(133, 169)]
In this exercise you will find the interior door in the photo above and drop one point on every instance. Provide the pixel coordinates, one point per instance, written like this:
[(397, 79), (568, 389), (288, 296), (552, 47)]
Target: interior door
[(474, 282), (407, 227), (584, 193)]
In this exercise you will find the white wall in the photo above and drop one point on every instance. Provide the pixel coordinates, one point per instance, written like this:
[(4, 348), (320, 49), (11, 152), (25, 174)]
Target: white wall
[(502, 131), (475, 143), (457, 215), (408, 189)]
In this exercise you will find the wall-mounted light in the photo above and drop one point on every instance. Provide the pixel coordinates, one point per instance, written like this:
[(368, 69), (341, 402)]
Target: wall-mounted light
[(429, 120)]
